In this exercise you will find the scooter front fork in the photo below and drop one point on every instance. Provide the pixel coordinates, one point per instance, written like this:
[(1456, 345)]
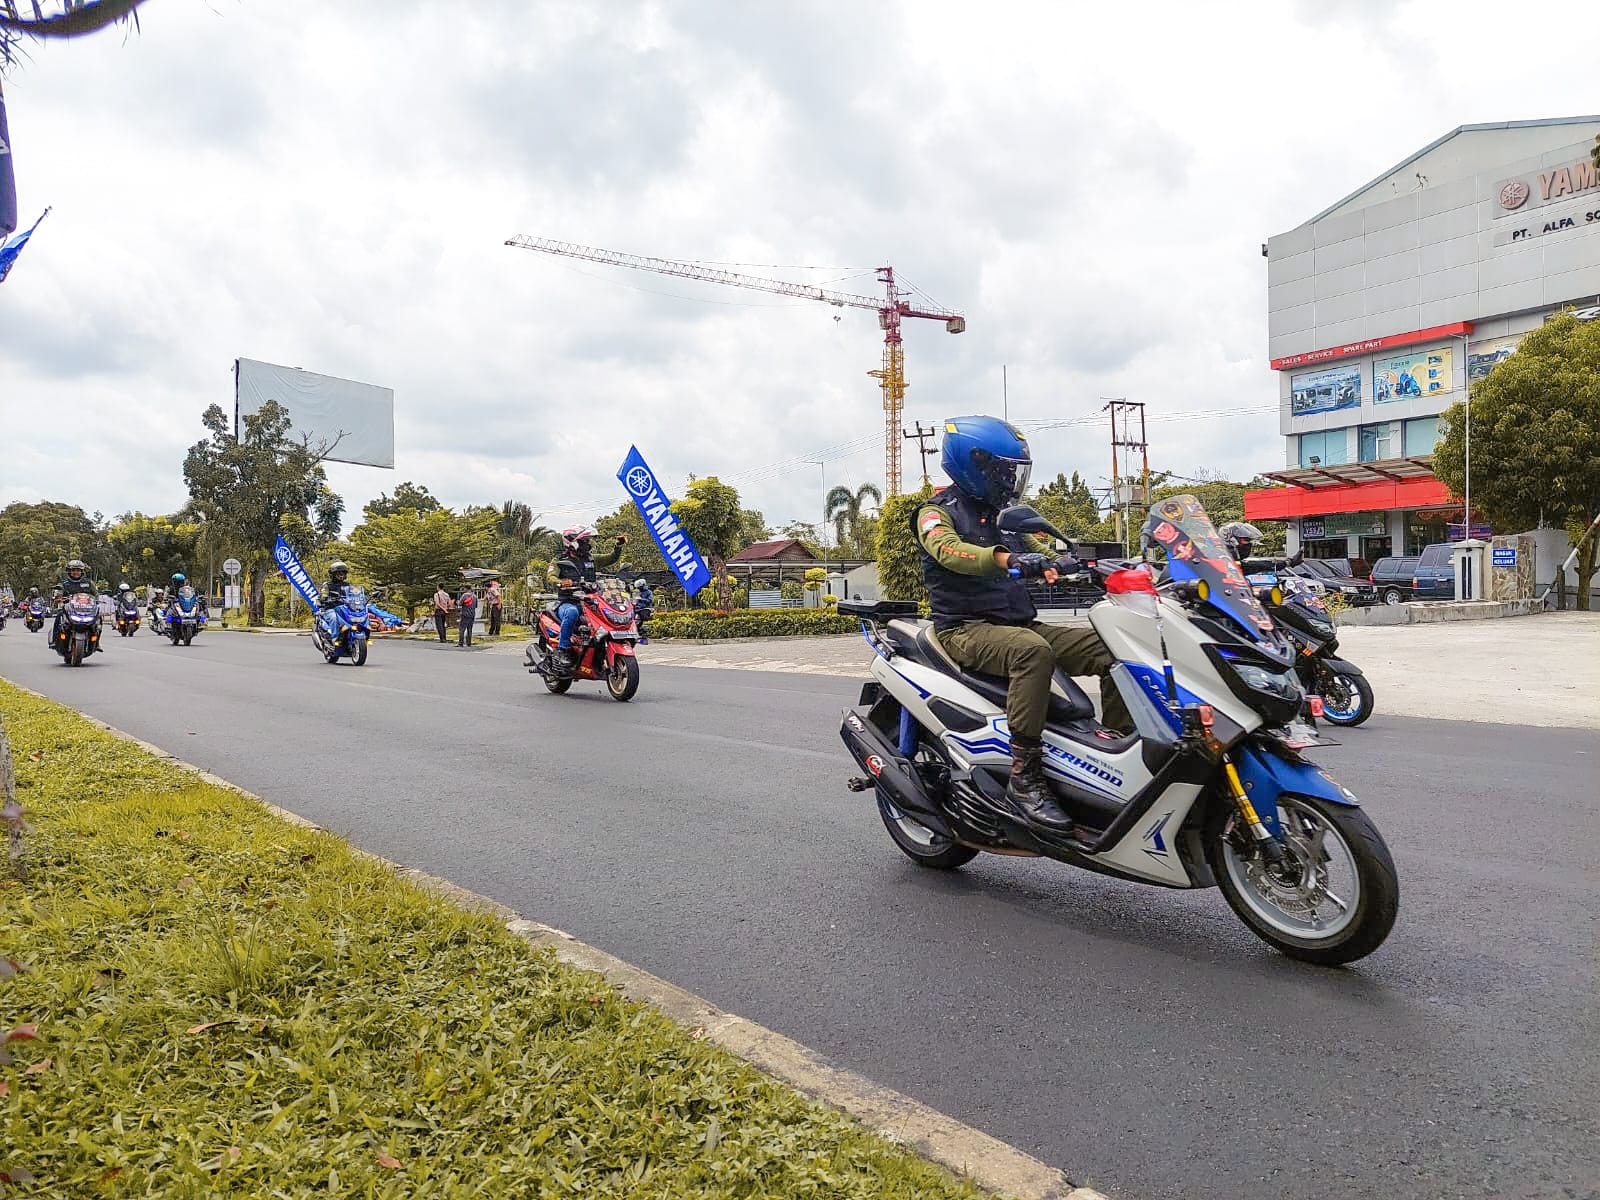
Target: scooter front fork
[(1271, 849)]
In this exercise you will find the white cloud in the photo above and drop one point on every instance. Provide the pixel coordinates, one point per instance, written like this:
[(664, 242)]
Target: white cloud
[(330, 186)]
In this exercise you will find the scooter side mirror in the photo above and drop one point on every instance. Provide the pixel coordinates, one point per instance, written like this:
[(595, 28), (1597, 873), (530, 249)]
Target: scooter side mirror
[(1020, 518)]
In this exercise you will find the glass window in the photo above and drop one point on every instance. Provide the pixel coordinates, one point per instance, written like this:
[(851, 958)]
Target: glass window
[(1328, 446), (1380, 441), (1422, 435)]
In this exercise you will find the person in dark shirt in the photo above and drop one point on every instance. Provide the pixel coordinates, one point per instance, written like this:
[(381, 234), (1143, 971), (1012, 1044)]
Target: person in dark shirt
[(983, 615)]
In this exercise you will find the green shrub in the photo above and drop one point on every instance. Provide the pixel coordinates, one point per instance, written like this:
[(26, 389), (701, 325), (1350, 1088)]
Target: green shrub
[(899, 556), (754, 622)]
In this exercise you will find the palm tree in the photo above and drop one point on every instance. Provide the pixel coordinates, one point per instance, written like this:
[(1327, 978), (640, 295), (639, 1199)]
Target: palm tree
[(846, 509)]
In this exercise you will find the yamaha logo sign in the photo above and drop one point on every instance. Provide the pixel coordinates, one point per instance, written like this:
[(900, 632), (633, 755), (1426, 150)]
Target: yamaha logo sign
[(1514, 195)]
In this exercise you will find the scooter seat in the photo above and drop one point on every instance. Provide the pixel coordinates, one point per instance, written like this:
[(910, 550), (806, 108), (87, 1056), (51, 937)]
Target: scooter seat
[(1067, 700)]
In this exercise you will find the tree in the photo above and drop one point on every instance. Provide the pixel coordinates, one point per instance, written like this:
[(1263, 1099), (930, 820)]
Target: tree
[(77, 18), (899, 556), (805, 532), (1535, 437), (847, 510), (1070, 506), (259, 485), (816, 579), (412, 552), (711, 516), (151, 549), (408, 497), (37, 540)]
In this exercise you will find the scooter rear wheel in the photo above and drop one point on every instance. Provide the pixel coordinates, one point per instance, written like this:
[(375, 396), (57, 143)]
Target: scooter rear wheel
[(919, 843)]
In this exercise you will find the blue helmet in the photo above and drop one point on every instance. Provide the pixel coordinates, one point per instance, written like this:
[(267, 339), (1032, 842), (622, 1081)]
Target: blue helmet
[(987, 459), (177, 577)]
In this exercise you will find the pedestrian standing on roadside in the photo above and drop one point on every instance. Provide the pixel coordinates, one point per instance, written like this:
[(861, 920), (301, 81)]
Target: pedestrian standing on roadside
[(467, 602), (493, 598), (441, 609)]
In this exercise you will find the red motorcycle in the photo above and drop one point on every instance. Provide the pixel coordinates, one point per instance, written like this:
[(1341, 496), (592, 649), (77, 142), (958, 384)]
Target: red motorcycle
[(602, 642)]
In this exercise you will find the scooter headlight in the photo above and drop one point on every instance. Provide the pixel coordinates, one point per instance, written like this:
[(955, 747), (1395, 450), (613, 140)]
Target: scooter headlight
[(1275, 694)]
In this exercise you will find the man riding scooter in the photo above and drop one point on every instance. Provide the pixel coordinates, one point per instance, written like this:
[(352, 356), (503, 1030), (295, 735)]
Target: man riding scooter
[(983, 614), (574, 569), (75, 581)]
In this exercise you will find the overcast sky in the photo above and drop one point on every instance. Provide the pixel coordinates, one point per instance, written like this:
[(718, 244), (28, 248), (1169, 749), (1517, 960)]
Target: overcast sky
[(329, 186)]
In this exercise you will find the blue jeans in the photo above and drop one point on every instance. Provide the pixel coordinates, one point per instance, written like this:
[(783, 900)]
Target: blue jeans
[(569, 613)]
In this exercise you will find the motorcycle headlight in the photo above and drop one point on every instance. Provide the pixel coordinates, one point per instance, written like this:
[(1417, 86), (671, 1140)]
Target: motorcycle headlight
[(1276, 695)]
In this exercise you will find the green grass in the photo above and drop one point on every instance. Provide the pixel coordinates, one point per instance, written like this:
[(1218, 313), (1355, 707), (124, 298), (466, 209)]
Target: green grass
[(229, 1005)]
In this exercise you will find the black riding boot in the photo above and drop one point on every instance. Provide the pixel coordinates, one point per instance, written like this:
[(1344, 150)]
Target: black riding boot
[(1029, 790)]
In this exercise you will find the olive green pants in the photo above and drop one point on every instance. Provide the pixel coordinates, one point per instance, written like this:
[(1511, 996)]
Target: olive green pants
[(1028, 656)]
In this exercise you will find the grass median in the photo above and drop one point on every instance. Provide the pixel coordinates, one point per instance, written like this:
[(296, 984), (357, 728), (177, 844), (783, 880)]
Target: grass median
[(198, 998)]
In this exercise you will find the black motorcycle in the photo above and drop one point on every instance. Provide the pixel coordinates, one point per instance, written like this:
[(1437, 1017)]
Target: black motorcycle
[(1346, 694)]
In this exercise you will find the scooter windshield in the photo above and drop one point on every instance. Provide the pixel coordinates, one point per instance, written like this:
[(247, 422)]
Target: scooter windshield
[(1197, 554), (616, 597), (355, 598)]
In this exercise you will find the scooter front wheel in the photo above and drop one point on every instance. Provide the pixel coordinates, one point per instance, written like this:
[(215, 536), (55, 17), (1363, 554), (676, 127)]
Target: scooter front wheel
[(359, 655), (622, 681), (1335, 896), (1346, 699)]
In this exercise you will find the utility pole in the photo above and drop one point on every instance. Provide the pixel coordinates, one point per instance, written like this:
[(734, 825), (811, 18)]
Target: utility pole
[(922, 437), (1125, 498)]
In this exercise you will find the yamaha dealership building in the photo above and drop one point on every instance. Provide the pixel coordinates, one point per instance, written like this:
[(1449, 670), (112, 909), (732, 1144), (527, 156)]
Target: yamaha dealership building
[(1385, 308)]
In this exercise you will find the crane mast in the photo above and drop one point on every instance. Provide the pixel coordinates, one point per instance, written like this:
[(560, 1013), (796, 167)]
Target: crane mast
[(891, 309)]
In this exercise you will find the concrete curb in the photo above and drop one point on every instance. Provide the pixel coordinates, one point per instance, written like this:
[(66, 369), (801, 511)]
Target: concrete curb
[(966, 1152), (1430, 612)]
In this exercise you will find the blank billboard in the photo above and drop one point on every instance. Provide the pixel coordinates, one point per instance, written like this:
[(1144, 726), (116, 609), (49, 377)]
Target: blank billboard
[(356, 419)]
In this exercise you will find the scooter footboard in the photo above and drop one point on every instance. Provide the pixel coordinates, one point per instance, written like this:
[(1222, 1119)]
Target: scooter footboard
[(892, 775)]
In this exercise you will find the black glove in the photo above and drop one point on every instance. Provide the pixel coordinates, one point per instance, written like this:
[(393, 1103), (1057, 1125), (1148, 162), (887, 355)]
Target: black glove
[(1030, 566)]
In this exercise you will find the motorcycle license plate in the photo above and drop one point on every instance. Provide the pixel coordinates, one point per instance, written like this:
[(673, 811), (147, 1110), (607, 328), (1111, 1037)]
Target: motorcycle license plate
[(1300, 736)]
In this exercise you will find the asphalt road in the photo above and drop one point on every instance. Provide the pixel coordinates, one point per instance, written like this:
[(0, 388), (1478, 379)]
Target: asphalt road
[(1141, 1039)]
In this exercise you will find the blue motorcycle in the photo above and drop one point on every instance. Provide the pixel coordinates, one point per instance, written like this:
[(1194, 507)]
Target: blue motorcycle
[(185, 616), (36, 615), (341, 631)]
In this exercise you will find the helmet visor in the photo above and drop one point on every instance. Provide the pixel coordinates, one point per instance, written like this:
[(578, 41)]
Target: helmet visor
[(1007, 478)]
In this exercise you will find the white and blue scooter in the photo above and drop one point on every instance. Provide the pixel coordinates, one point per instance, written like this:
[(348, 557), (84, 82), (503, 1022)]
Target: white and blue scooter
[(1210, 790)]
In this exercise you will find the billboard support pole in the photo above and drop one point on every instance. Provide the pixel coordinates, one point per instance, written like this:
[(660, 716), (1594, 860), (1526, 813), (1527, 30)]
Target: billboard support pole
[(1466, 386)]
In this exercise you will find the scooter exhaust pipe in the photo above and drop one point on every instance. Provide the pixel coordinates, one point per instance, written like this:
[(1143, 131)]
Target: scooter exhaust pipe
[(890, 772)]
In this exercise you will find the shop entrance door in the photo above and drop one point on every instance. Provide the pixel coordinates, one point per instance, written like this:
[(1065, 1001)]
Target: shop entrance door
[(1374, 548)]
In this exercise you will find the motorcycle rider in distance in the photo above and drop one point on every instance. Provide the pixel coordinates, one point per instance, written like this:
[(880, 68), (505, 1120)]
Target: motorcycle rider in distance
[(75, 581), (574, 568), (1241, 538), (644, 607), (984, 617)]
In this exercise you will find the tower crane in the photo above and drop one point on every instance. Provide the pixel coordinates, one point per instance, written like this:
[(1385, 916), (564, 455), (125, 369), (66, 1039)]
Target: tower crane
[(891, 308)]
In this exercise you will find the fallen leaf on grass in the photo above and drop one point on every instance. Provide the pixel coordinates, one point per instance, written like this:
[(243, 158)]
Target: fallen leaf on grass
[(185, 884), (388, 1160), (36, 756), (5, 1089), (24, 1033), (10, 967), (233, 1153), (109, 1175), (209, 1025), (698, 1032), (16, 1175), (39, 1068), (181, 834)]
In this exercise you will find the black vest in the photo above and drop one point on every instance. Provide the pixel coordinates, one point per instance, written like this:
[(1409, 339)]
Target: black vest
[(955, 598)]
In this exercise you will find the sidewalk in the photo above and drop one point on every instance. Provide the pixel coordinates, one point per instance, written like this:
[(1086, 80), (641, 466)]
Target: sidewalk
[(1537, 670)]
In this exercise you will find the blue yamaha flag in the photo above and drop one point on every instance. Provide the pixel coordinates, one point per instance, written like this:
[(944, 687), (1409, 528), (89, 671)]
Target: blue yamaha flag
[(12, 250), (654, 506), (8, 182), (289, 563)]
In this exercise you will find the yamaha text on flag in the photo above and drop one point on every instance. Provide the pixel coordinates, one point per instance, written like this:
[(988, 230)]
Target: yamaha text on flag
[(289, 563), (656, 509)]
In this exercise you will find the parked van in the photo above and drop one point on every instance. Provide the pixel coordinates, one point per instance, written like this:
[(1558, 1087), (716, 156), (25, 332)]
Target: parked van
[(1393, 578), (1435, 574)]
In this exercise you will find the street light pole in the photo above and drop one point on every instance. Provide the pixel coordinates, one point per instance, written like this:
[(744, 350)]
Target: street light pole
[(822, 482)]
